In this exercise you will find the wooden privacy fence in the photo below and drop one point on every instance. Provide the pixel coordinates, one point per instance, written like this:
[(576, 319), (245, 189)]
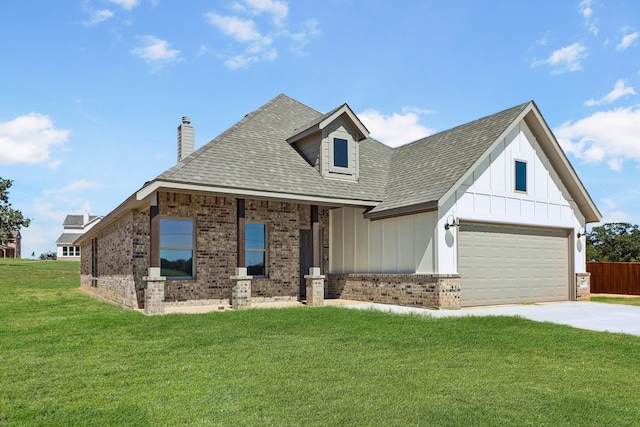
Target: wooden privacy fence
[(615, 277)]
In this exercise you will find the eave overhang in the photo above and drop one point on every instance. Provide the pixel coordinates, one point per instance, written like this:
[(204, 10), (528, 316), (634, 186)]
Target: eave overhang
[(323, 121)]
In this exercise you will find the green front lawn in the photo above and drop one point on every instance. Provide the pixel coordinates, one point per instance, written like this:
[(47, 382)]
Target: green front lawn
[(618, 300), (68, 359)]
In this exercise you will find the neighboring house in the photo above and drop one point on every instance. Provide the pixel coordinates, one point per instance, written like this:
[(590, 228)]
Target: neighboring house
[(73, 227), (12, 248), (293, 204)]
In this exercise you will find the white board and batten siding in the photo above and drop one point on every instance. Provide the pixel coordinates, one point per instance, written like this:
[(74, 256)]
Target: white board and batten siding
[(513, 247), (399, 245), (488, 196)]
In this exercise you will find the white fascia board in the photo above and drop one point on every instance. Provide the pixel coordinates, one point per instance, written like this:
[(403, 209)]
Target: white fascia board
[(567, 172), (484, 155), (345, 109), (123, 208), (303, 133), (149, 190)]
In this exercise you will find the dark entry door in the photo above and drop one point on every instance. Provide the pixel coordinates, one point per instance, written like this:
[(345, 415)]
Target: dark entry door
[(305, 260)]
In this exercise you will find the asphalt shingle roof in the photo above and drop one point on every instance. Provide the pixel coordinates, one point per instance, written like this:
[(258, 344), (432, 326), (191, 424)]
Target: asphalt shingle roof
[(426, 169), (67, 238), (76, 220), (254, 154)]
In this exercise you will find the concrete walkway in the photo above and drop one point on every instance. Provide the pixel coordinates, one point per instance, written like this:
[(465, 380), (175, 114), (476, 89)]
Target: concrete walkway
[(594, 316)]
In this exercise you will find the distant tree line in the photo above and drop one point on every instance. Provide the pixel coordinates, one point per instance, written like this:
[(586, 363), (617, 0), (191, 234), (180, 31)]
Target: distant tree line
[(614, 242), (10, 219)]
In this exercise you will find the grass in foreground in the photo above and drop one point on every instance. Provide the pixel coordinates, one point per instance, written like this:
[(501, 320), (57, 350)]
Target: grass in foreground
[(67, 359), (618, 300)]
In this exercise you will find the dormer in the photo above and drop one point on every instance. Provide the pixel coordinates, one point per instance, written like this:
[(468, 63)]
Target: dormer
[(331, 143)]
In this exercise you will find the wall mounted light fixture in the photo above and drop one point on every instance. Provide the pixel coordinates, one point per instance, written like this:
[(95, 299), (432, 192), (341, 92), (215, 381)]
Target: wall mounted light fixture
[(451, 222), (582, 232)]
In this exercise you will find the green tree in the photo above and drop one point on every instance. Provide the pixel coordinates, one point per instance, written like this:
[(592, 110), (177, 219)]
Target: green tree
[(10, 219), (614, 242)]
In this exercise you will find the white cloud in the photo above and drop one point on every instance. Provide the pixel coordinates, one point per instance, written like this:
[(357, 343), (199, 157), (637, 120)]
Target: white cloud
[(54, 165), (156, 51), (255, 36), (302, 38), (628, 40), (604, 136), (396, 129), (72, 187), (416, 110), (28, 139), (279, 10), (126, 4), (618, 92), (608, 203), (566, 59), (98, 16), (241, 30), (585, 9), (611, 213), (616, 164)]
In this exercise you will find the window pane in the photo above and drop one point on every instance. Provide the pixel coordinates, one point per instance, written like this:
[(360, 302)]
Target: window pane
[(340, 153), (255, 264), (521, 176), (254, 235), (176, 263), (176, 233)]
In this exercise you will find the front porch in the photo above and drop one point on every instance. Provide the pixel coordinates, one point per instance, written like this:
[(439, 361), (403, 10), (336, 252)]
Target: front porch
[(183, 309)]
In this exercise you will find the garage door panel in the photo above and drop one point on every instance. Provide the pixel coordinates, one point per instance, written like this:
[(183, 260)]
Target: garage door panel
[(509, 264)]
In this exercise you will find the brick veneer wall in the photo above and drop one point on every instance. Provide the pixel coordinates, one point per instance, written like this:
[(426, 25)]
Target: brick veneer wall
[(119, 271), (412, 290), (123, 251), (215, 223)]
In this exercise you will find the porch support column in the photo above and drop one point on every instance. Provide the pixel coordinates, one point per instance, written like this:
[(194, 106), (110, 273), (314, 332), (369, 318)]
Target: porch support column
[(240, 216), (154, 292), (154, 233), (153, 281), (315, 237), (315, 280), (241, 291)]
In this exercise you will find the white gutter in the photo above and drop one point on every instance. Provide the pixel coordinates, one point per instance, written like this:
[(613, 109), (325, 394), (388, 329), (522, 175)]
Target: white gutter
[(157, 185)]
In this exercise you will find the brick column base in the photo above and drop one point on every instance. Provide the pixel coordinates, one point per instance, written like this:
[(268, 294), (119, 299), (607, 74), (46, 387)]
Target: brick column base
[(154, 292), (583, 286), (315, 287), (241, 292)]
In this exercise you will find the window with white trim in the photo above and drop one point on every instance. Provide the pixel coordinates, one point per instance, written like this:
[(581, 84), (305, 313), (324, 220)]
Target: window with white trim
[(520, 176)]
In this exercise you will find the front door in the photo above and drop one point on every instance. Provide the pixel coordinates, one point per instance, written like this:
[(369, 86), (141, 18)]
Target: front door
[(305, 260)]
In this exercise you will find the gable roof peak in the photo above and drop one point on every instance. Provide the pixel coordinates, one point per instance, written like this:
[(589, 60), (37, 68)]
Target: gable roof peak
[(324, 120)]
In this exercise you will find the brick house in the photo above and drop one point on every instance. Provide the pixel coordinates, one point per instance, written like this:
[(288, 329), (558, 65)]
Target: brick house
[(12, 248), (291, 204)]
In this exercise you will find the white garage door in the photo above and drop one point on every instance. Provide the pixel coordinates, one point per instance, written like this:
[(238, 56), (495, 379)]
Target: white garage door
[(507, 264)]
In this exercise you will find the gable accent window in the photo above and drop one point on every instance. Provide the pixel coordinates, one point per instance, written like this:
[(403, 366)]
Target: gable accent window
[(340, 153), (176, 248), (256, 249), (521, 176)]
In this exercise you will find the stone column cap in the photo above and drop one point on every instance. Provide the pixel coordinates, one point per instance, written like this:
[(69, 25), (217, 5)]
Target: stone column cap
[(154, 278), (313, 276), (241, 277)]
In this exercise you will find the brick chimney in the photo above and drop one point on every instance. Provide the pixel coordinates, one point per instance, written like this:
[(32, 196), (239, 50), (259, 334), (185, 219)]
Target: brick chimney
[(186, 138)]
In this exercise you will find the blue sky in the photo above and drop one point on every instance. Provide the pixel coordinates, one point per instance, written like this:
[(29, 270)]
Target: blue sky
[(93, 90)]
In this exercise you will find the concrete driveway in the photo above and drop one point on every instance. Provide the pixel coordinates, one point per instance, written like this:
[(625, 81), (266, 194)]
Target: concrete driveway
[(594, 316)]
